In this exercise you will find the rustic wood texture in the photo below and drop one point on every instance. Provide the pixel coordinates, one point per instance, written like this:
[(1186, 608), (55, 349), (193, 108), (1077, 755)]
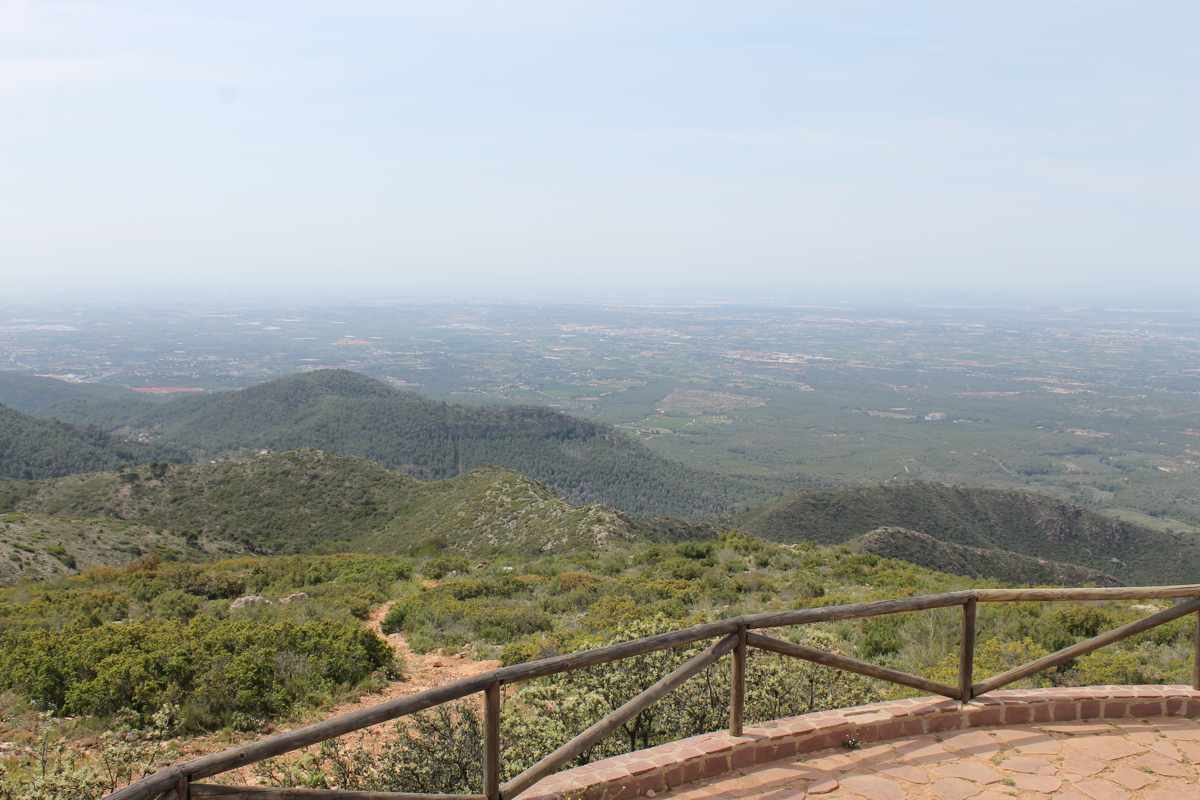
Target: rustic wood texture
[(1114, 593), (213, 790), (776, 619), (281, 743), (737, 686), (850, 665), (966, 656), (1086, 646), (491, 742), (1196, 654), (610, 723)]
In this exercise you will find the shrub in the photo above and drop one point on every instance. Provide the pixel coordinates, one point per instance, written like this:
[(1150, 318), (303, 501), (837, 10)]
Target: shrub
[(220, 670), (881, 637), (60, 552), (393, 620), (122, 757), (441, 566), (176, 605), (697, 551), (1065, 626), (1112, 666), (440, 751), (682, 568), (502, 624), (468, 588), (530, 648), (574, 580)]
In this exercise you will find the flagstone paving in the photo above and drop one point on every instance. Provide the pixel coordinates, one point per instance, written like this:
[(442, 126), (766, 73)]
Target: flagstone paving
[(1153, 759)]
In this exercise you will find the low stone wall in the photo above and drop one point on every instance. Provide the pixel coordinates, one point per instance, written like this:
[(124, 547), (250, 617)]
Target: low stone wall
[(658, 769)]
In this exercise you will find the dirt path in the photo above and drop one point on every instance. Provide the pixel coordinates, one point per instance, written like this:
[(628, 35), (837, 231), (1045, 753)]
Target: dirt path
[(421, 672)]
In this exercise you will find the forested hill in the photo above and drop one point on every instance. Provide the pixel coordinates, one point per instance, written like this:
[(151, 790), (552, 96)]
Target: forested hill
[(1022, 522), (976, 562), (306, 501), (31, 447), (84, 404), (350, 414)]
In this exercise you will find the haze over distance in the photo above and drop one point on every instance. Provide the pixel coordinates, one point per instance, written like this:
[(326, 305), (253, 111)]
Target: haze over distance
[(353, 351), (1026, 154)]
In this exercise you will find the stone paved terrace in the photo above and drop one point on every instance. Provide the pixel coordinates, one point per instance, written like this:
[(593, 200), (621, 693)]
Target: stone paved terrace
[(1095, 743), (1106, 760)]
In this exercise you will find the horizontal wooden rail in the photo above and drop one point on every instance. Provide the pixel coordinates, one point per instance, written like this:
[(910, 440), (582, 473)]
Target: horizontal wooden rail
[(805, 616), (199, 790), (610, 723), (1085, 647), (288, 741), (181, 775), (850, 665), (1078, 595)]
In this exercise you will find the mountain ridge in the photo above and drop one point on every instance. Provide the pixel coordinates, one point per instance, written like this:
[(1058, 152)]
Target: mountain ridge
[(308, 501), (975, 562), (1022, 522), (343, 412)]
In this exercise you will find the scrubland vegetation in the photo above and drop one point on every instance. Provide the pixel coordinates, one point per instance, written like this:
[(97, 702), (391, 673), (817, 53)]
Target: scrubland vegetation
[(159, 642), (128, 643), (304, 501), (136, 639)]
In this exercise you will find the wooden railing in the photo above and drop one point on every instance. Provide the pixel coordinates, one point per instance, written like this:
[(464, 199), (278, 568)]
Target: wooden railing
[(733, 636)]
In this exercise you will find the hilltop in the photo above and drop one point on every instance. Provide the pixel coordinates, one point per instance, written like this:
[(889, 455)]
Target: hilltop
[(1024, 523), (975, 562), (31, 447), (310, 501), (350, 414), (76, 403)]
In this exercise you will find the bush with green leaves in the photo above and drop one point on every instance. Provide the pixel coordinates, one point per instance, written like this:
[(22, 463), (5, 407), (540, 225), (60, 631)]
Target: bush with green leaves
[(221, 671), (441, 566), (122, 756), (441, 751), (134, 638)]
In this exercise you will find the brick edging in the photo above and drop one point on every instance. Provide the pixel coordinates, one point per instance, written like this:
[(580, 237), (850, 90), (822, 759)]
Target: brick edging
[(664, 767)]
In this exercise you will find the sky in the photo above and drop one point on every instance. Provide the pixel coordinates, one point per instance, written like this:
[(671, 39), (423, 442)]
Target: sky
[(599, 149)]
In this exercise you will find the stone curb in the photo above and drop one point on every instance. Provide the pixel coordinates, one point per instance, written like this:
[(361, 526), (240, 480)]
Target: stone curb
[(709, 755)]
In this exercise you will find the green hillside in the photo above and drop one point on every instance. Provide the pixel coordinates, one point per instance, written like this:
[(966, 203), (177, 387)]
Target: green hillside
[(975, 562), (1021, 522), (343, 412), (76, 403), (303, 501), (38, 546), (31, 447)]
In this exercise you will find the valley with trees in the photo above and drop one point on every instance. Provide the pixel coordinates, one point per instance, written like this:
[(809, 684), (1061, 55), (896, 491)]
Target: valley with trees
[(453, 400), (194, 570)]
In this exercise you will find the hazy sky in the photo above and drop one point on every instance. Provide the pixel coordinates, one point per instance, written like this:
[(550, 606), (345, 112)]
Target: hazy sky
[(371, 148)]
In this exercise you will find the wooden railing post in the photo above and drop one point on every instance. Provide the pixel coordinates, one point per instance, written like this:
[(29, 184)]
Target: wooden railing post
[(737, 688), (491, 741), (966, 657), (598, 731), (183, 787), (1196, 655)]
